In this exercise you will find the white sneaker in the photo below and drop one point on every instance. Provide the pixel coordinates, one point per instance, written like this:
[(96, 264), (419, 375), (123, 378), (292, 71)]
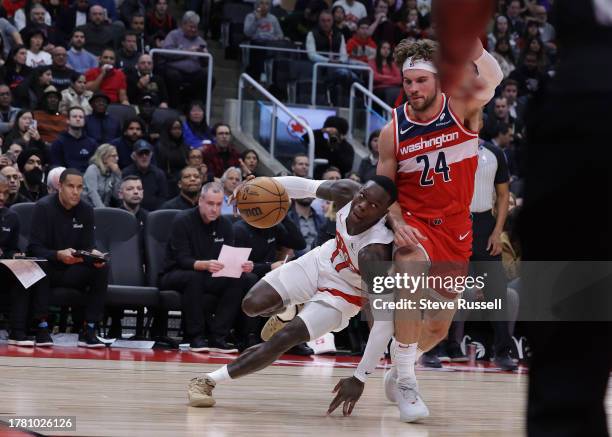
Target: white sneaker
[(390, 381), (410, 403)]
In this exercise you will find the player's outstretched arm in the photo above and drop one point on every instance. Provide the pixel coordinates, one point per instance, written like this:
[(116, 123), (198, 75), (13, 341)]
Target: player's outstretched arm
[(340, 192)]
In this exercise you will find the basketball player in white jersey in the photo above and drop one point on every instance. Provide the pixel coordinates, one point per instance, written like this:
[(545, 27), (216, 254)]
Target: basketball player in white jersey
[(327, 279)]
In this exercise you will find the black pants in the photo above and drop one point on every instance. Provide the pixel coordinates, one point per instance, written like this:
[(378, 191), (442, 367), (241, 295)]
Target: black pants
[(33, 301), (87, 279), (249, 325), (208, 302), (483, 263)]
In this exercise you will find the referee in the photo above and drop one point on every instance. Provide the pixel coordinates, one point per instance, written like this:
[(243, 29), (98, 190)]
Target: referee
[(492, 182)]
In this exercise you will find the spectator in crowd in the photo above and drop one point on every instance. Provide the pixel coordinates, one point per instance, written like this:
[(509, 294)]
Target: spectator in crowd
[(304, 18), (36, 297), (102, 177), (31, 163), (340, 23), (61, 224), (189, 185), (361, 46), (73, 148), (14, 149), (353, 175), (502, 137), (221, 154), (50, 121), (108, 79), (504, 56), (127, 56), (300, 165), (264, 244), (99, 34), (261, 27), (325, 38), (62, 74), (382, 28), (501, 114), (410, 27), (133, 130), (249, 159), (100, 125), (387, 75), (76, 95), (35, 41), (71, 18), (109, 7), (196, 160), (131, 198), (501, 30), (79, 59), (330, 144), (230, 180), (367, 168), (129, 9), (307, 220), (15, 70), (195, 129), (41, 21), (137, 27), (192, 253), (53, 179), (153, 179), (513, 12), (13, 178), (25, 129), (142, 81), (29, 93), (159, 20), (354, 12), (516, 105), (187, 70), (171, 153), (546, 30), (8, 113), (10, 37)]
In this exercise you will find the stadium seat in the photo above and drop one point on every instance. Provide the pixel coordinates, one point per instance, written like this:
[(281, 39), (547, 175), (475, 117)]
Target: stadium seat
[(24, 212), (117, 233), (232, 26), (121, 113)]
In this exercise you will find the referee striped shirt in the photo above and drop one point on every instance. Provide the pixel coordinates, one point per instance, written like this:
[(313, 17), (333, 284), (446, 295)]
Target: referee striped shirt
[(492, 170)]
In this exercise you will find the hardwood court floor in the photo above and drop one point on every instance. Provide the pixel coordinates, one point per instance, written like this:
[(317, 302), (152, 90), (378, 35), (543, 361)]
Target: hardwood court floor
[(135, 397)]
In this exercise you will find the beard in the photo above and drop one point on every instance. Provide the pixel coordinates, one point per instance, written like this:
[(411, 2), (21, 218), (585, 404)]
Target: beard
[(425, 104), (34, 176)]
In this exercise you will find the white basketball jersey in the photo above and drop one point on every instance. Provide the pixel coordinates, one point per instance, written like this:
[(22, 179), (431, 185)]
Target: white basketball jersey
[(341, 254)]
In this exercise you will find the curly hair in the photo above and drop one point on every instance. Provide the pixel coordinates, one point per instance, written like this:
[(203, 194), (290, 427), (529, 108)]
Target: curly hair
[(422, 49)]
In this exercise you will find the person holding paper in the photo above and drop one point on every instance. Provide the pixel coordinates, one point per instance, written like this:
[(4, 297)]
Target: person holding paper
[(20, 297), (192, 257)]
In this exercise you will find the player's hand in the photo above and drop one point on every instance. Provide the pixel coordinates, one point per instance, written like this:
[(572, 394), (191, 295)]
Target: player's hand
[(214, 266), (407, 236), (232, 198), (349, 391), (276, 264), (494, 244), (247, 267), (66, 256)]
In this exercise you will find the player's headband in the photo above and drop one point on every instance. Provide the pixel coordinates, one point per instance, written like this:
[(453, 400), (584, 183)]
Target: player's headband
[(419, 64)]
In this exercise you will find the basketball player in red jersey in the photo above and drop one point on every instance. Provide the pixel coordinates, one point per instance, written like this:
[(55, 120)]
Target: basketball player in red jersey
[(430, 150)]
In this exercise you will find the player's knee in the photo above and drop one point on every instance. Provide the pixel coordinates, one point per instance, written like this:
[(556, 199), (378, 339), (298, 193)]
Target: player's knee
[(437, 329), (252, 305)]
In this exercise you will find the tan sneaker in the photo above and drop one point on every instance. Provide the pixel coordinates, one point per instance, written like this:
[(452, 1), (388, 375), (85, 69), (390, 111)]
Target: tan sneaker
[(272, 326), (200, 392)]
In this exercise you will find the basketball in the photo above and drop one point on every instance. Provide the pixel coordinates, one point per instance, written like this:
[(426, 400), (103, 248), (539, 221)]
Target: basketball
[(262, 202)]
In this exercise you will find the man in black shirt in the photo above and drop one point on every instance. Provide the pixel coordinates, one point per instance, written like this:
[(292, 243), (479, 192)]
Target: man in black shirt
[(30, 163), (38, 293), (61, 224), (189, 185), (14, 184), (142, 81), (131, 195), (195, 242), (330, 144), (153, 178)]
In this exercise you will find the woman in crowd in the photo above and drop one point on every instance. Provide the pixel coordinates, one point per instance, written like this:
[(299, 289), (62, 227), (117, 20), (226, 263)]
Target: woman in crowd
[(230, 180), (504, 56), (249, 159), (387, 76), (29, 94), (36, 55), (25, 132), (340, 22), (14, 149), (410, 27), (76, 95), (15, 70), (501, 29), (196, 159), (195, 130), (171, 152), (367, 168), (103, 177), (535, 45)]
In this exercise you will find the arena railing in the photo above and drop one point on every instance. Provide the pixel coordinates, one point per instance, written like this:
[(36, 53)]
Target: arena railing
[(370, 96), (210, 67), (315, 74), (276, 106)]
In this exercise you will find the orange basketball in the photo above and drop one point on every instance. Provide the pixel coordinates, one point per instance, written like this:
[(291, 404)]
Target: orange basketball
[(262, 202)]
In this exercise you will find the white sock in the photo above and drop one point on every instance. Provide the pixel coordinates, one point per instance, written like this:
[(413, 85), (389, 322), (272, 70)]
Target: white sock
[(289, 313), (220, 375), (405, 357)]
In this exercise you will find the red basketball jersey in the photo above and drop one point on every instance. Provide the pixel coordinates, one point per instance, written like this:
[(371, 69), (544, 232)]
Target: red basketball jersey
[(437, 162)]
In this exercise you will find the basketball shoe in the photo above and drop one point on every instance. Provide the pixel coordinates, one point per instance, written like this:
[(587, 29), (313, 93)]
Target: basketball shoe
[(200, 392), (278, 322), (410, 403), (390, 382)]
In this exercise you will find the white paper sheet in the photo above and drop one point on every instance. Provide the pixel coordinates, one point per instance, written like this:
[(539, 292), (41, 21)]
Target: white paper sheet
[(26, 271), (232, 259), (133, 344)]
